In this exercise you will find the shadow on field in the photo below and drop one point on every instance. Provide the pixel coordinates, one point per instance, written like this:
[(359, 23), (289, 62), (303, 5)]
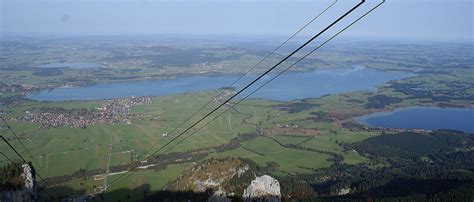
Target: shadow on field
[(51, 194), (141, 193), (405, 187)]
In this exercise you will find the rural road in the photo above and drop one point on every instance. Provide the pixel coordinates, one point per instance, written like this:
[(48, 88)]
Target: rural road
[(108, 164), (230, 125)]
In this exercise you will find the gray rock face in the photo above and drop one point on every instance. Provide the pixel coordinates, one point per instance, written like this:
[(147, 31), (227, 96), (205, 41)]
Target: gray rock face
[(264, 188), (27, 193), (344, 191), (29, 181), (215, 181)]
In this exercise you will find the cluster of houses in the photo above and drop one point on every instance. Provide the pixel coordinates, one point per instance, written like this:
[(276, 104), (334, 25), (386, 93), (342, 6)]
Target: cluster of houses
[(121, 106), (48, 120), (291, 125), (223, 95), (110, 111)]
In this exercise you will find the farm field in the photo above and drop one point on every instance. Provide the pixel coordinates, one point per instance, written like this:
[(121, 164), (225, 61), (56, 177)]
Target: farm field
[(299, 136), (88, 148), (315, 139)]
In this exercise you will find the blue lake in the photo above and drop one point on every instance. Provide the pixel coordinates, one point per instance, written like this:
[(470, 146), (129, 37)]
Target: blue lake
[(422, 118), (286, 87)]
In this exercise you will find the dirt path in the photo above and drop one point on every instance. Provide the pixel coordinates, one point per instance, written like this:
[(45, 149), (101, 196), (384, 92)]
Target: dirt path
[(230, 125), (108, 164)]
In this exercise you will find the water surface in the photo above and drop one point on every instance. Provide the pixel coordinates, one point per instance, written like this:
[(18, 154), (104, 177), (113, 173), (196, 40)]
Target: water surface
[(286, 87), (429, 118)]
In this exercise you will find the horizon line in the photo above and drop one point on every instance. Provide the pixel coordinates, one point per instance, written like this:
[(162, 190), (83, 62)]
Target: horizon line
[(8, 34)]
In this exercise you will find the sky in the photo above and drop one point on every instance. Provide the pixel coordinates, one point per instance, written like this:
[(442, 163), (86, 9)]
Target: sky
[(450, 20)]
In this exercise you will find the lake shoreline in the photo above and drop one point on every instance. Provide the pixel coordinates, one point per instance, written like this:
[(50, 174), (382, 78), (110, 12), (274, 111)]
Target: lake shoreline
[(38, 89), (326, 81), (368, 119)]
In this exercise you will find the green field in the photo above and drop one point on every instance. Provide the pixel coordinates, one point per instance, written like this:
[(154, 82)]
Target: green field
[(63, 150), (299, 142), (138, 181)]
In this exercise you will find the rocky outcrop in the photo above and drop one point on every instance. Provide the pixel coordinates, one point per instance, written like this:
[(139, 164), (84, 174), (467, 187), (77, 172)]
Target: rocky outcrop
[(209, 175), (29, 178), (227, 179), (263, 188), (25, 193), (344, 191)]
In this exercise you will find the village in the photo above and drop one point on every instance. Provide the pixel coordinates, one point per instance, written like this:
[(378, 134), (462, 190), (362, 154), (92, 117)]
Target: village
[(110, 111)]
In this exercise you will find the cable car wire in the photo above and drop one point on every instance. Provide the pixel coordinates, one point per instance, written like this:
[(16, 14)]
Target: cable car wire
[(262, 75), (274, 77), (249, 70), (25, 161), (251, 83)]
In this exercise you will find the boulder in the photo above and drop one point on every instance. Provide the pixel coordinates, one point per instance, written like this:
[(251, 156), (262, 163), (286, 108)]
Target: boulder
[(263, 188)]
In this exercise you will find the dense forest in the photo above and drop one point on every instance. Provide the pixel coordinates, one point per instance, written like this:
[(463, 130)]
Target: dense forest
[(296, 107), (381, 101), (437, 166)]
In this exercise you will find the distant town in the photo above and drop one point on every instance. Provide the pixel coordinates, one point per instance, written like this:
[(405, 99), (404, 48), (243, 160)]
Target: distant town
[(110, 111)]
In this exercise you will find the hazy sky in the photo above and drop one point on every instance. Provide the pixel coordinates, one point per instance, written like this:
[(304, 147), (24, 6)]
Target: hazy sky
[(425, 19)]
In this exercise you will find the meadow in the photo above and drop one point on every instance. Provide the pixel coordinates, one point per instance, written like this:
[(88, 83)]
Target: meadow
[(300, 136), (63, 150)]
